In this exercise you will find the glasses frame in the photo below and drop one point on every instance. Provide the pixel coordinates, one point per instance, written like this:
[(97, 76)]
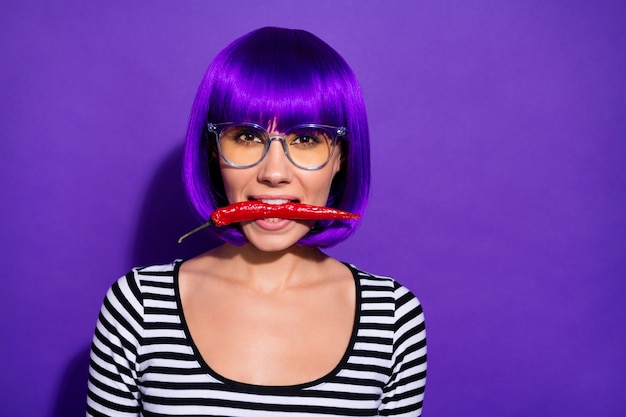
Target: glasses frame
[(216, 129)]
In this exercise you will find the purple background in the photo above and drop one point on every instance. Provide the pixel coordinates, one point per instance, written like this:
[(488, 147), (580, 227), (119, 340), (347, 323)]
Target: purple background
[(499, 191)]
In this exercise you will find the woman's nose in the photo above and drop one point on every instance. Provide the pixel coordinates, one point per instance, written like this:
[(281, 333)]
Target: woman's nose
[(275, 168)]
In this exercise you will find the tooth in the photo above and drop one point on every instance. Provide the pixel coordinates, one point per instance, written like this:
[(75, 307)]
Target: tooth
[(274, 201)]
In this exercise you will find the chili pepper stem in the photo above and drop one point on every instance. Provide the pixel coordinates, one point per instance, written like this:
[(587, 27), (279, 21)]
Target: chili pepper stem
[(197, 229)]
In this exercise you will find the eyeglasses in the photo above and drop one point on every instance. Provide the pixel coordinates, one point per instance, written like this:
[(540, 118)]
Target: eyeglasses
[(307, 146)]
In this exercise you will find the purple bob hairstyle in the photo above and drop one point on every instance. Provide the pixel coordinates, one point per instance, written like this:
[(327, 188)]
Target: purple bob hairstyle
[(294, 77)]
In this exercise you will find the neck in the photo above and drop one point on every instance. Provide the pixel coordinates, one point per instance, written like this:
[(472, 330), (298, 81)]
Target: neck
[(271, 272)]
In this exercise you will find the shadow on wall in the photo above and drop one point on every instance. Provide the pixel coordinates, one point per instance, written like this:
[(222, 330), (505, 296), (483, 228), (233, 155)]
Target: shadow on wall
[(164, 217), (70, 401)]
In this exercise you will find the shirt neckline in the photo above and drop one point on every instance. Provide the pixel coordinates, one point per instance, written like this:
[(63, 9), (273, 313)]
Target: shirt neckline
[(271, 388)]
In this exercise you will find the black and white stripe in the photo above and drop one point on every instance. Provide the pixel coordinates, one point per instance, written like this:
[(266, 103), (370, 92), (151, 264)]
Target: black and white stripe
[(144, 363)]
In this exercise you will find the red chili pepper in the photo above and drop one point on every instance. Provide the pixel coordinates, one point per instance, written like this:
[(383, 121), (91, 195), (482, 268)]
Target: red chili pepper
[(253, 210)]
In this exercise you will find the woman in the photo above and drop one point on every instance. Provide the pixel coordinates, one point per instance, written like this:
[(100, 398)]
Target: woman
[(266, 324)]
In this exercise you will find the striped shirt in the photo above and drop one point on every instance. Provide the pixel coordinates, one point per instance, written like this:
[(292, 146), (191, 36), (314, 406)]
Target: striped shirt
[(144, 362)]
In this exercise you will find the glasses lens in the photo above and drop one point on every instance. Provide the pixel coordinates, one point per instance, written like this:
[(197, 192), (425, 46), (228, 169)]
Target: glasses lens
[(242, 145), (309, 147)]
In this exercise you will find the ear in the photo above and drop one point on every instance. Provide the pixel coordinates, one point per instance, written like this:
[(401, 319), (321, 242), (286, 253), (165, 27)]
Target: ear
[(212, 152), (337, 162)]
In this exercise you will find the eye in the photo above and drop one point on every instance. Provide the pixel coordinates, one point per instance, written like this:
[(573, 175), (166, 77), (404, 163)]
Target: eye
[(308, 138), (305, 141), (248, 136), (242, 135)]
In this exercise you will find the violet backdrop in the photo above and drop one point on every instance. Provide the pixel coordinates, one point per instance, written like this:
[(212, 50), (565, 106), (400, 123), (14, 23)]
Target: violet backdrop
[(499, 188)]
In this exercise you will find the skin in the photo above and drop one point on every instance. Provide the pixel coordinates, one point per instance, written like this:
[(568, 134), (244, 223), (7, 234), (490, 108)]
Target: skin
[(283, 314)]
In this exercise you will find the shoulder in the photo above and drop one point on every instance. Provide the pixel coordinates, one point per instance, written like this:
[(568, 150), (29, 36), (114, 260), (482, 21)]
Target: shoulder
[(406, 305), (130, 290), (164, 270), (401, 294)]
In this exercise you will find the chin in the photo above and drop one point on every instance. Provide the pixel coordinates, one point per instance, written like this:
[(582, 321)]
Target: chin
[(275, 241)]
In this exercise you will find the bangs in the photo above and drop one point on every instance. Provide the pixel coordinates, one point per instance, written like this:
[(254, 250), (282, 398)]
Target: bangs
[(262, 84)]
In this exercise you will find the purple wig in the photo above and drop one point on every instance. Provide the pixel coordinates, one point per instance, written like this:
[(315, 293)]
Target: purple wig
[(294, 77)]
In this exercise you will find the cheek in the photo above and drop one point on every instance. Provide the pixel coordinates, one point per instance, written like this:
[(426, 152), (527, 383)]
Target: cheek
[(319, 186), (233, 181)]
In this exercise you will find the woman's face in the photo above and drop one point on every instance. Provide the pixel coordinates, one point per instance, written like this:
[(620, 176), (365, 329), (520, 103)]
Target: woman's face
[(276, 180)]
